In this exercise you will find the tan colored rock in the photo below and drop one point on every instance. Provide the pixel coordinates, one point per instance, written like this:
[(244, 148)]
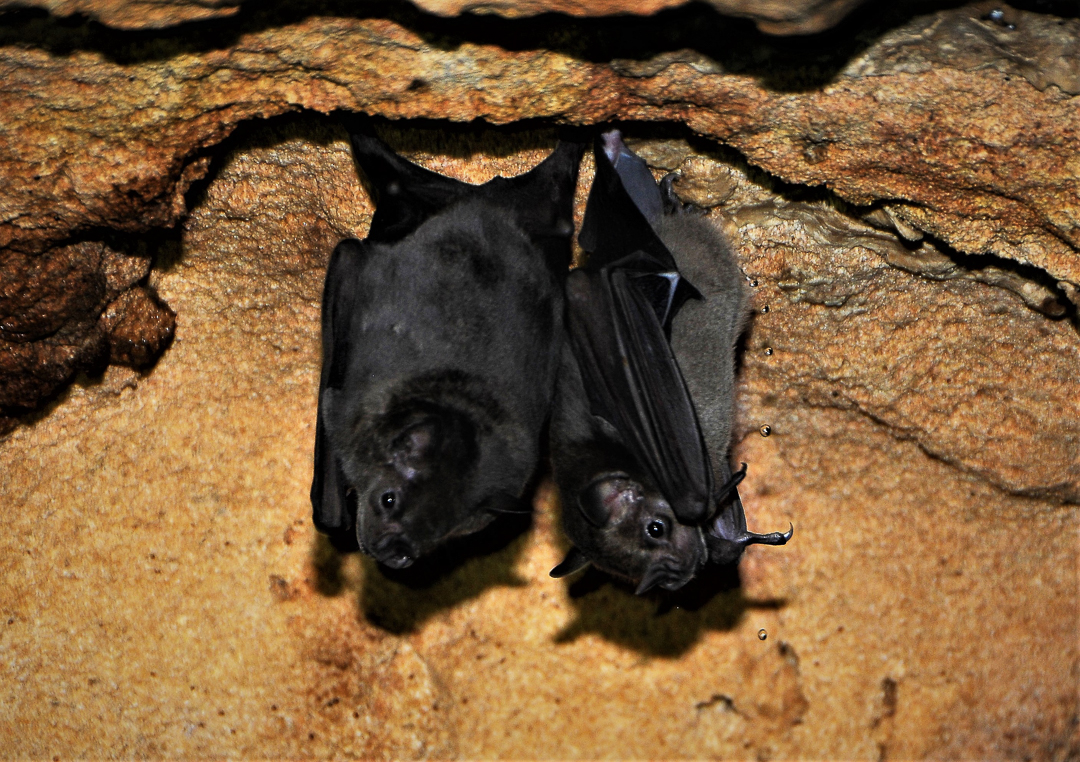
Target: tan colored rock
[(907, 206), (895, 365), (975, 146), (773, 17), (951, 125), (134, 14), (168, 595), (49, 327), (138, 326)]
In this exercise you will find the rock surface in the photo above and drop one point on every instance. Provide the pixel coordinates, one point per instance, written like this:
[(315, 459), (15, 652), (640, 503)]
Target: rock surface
[(133, 14), (904, 197), (773, 16), (951, 125), (169, 597)]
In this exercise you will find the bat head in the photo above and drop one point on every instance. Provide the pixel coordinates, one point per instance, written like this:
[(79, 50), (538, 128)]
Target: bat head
[(629, 530), (409, 471)]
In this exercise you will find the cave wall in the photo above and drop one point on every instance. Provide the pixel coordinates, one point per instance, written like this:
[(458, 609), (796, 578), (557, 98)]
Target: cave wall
[(903, 192)]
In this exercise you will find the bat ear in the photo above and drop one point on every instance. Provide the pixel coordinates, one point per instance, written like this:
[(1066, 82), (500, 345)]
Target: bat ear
[(575, 561), (635, 176), (420, 440), (405, 194), (416, 448), (592, 508)]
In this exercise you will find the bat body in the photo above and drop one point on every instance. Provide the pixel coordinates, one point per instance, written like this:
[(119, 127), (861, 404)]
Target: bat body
[(442, 332), (642, 419)]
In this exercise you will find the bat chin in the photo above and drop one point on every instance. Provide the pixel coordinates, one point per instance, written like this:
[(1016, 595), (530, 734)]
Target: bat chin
[(674, 583)]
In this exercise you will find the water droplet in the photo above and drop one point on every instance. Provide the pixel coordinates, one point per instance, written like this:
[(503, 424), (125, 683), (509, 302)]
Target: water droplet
[(753, 283), (761, 634), (765, 308), (768, 350), (765, 430)]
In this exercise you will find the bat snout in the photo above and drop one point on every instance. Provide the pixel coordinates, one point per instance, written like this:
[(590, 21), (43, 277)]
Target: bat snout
[(394, 550)]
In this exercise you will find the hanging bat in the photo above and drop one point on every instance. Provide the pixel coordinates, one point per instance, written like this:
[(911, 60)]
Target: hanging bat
[(441, 338), (640, 450)]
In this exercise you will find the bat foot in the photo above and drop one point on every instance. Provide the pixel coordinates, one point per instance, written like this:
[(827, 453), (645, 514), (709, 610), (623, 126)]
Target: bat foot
[(772, 538), (727, 550), (673, 205)]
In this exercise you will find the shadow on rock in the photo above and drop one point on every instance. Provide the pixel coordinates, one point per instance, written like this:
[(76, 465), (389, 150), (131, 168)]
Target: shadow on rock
[(660, 623), (400, 600)]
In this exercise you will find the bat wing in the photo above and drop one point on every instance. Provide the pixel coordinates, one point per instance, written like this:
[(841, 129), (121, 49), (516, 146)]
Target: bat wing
[(331, 510), (634, 382), (620, 310), (614, 228)]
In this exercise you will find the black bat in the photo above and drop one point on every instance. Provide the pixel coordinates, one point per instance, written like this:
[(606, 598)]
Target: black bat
[(660, 296), (441, 335)]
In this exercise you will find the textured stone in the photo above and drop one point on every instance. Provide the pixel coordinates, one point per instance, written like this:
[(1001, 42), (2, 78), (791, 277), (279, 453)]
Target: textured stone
[(69, 309), (134, 14), (139, 327), (168, 595), (939, 380), (774, 16), (48, 307), (965, 127), (902, 191), (951, 126)]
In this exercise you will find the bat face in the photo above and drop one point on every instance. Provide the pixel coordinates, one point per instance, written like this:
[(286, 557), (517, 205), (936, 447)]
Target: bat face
[(640, 538), (408, 472), (441, 337)]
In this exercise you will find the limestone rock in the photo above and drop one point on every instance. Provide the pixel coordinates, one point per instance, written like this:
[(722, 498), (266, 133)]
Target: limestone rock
[(134, 14), (138, 326), (50, 305), (953, 124), (169, 596), (774, 17), (969, 145), (904, 201)]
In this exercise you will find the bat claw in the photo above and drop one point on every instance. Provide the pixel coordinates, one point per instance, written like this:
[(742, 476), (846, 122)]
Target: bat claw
[(672, 203), (729, 487), (772, 538)]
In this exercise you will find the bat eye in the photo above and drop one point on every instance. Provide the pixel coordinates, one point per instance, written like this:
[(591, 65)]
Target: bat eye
[(388, 499), (655, 529)]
